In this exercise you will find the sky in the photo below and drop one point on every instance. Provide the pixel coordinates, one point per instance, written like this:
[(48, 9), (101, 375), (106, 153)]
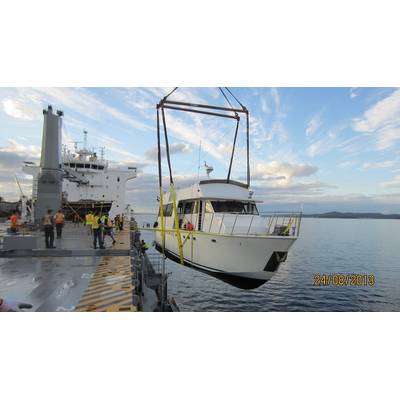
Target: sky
[(315, 149)]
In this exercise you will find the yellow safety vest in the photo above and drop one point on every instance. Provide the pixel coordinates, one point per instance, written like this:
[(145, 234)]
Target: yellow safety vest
[(89, 219), (95, 222)]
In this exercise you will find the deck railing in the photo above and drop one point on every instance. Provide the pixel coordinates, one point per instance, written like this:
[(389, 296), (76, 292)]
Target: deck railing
[(271, 224), (274, 224)]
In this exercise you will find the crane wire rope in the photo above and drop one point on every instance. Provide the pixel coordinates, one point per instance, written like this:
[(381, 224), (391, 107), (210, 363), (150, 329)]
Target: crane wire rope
[(176, 105)]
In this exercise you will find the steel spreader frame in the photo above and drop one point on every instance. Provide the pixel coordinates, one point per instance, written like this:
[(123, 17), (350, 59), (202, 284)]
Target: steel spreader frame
[(225, 112)]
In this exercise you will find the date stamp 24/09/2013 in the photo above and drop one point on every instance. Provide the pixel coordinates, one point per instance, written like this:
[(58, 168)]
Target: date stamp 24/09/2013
[(344, 280)]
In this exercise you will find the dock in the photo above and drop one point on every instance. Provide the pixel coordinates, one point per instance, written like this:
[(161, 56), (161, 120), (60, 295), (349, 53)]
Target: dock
[(76, 277)]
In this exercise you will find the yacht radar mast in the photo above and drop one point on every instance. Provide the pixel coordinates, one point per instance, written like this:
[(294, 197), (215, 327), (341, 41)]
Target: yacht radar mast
[(209, 169)]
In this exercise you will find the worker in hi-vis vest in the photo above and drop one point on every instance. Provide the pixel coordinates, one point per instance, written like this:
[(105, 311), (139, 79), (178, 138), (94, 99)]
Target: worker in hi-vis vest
[(88, 222), (97, 231), (59, 220), (14, 222), (107, 227)]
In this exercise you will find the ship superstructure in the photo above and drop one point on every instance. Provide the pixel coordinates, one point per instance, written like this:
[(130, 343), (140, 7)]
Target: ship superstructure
[(89, 181)]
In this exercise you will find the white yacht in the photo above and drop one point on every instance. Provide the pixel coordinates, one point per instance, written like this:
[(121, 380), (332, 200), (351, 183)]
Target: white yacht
[(89, 182), (222, 233)]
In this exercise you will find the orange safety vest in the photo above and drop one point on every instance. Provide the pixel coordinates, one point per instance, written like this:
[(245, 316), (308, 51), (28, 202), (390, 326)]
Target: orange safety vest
[(13, 220), (59, 218)]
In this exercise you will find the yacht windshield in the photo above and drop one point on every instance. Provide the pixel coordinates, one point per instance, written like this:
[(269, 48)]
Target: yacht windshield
[(234, 207)]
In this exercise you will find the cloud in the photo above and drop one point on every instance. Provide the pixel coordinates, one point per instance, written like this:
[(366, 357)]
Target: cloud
[(313, 124), (258, 134), (352, 93), (21, 109), (305, 188), (322, 145), (264, 106), (11, 160), (28, 151), (211, 137), (80, 100), (394, 183), (174, 148), (275, 96), (115, 148), (388, 136), (315, 202), (382, 119), (328, 141), (384, 113), (283, 172), (346, 164), (143, 191), (378, 165)]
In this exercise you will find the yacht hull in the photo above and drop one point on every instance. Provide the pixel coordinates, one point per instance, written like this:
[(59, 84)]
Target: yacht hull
[(242, 261)]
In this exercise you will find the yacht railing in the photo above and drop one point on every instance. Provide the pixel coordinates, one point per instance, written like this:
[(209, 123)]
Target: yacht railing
[(271, 224), (274, 224)]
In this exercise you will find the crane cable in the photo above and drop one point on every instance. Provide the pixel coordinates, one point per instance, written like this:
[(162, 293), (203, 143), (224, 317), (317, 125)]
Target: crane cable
[(161, 211), (171, 180), (173, 195)]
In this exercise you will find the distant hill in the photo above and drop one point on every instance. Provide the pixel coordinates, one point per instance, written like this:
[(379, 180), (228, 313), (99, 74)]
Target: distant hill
[(353, 215)]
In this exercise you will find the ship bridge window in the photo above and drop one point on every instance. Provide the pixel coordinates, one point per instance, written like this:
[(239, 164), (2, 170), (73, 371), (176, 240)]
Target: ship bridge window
[(79, 165), (234, 207), (72, 165), (118, 179), (87, 165), (101, 167), (94, 166)]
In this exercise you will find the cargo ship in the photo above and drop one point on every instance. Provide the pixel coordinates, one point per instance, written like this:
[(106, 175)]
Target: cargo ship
[(89, 181)]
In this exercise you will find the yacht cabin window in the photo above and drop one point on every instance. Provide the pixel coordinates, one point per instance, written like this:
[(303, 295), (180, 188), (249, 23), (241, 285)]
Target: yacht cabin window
[(185, 207), (167, 210), (234, 207), (208, 207)]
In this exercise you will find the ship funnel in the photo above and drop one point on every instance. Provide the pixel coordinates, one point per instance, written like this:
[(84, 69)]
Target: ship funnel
[(50, 176)]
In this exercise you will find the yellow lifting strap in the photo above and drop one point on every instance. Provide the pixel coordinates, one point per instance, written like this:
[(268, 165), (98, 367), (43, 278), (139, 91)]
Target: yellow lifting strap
[(178, 232), (162, 221), (288, 227)]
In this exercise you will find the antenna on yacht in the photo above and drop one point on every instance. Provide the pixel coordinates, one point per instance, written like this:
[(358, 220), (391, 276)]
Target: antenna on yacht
[(209, 169)]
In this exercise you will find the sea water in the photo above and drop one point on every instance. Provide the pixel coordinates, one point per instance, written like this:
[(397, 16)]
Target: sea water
[(326, 247)]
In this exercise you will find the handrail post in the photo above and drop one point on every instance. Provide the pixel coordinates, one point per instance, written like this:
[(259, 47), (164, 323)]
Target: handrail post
[(298, 228), (271, 219), (233, 227), (220, 225), (248, 231), (212, 218)]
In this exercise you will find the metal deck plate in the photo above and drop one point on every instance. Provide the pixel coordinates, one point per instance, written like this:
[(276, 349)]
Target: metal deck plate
[(55, 280)]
